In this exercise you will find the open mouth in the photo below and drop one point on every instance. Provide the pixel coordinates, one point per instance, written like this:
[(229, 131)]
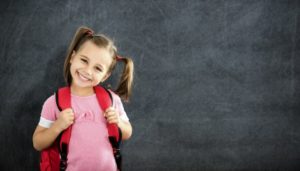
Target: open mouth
[(82, 77)]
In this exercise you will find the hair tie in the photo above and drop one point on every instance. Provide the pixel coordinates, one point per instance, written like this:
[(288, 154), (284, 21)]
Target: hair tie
[(119, 58), (90, 33)]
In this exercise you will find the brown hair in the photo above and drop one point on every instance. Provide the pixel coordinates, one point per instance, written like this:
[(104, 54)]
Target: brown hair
[(84, 34)]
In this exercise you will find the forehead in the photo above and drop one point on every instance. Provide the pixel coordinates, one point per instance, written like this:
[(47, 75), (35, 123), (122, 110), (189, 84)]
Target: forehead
[(96, 54)]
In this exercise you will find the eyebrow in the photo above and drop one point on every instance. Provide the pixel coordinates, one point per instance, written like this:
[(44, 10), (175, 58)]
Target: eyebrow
[(89, 59)]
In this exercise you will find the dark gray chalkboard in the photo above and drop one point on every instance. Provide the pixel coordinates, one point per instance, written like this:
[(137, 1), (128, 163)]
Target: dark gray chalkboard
[(217, 83)]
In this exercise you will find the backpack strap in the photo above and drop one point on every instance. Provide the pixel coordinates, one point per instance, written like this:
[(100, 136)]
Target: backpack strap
[(105, 101), (63, 101), (114, 132)]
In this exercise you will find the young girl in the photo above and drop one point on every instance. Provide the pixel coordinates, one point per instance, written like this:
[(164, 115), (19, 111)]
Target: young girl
[(90, 60)]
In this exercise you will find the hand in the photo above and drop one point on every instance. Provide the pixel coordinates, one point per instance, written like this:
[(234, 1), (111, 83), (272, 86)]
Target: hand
[(112, 116), (65, 119)]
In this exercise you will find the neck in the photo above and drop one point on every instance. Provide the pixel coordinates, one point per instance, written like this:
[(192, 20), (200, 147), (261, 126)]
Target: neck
[(79, 91)]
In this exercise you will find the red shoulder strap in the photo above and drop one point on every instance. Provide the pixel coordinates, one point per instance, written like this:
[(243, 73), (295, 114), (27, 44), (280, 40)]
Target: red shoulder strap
[(63, 100), (105, 101)]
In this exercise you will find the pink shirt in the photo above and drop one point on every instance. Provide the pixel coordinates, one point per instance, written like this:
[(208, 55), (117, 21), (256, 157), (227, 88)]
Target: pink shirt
[(89, 147)]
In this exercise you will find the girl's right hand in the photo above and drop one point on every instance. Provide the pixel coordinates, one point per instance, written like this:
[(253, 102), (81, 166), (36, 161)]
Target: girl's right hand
[(65, 119)]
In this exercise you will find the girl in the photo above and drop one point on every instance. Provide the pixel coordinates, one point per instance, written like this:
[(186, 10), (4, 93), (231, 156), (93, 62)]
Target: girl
[(89, 61)]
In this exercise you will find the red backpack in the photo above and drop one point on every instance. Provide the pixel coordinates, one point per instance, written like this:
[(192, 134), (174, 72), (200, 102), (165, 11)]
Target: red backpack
[(55, 157)]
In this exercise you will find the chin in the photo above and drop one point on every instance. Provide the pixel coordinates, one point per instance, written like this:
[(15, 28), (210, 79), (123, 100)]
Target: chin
[(82, 85)]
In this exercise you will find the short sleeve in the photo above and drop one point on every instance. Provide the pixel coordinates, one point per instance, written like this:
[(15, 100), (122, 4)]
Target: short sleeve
[(117, 103), (48, 113)]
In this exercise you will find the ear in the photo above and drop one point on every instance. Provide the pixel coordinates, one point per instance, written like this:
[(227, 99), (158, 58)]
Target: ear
[(106, 77), (72, 56)]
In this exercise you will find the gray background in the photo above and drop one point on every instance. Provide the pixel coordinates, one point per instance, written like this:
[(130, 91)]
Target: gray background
[(216, 82)]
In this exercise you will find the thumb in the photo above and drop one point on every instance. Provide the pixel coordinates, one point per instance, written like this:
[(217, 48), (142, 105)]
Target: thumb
[(109, 109)]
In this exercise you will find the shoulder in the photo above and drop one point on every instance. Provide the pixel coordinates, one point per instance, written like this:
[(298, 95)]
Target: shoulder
[(117, 103), (50, 110), (50, 102), (116, 98), (114, 95)]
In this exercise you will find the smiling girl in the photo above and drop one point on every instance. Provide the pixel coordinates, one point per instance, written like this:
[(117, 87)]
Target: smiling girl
[(90, 61)]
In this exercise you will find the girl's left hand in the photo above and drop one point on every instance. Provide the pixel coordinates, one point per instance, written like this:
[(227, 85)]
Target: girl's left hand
[(112, 116)]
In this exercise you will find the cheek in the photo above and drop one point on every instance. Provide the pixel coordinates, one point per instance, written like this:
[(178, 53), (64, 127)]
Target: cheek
[(98, 76), (72, 69), (75, 65)]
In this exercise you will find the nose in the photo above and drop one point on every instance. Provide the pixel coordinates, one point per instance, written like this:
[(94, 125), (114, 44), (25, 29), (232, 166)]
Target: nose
[(89, 70)]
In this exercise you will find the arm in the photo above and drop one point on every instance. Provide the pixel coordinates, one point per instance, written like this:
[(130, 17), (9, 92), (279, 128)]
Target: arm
[(126, 129), (44, 137)]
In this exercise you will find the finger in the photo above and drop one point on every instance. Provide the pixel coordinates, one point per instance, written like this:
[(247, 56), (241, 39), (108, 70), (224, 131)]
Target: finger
[(68, 110), (108, 118), (111, 113), (72, 114), (71, 122), (110, 109), (113, 117), (69, 115), (115, 120), (108, 113), (72, 118), (112, 120)]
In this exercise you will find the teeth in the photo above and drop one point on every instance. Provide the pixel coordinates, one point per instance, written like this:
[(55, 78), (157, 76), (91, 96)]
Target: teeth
[(83, 77)]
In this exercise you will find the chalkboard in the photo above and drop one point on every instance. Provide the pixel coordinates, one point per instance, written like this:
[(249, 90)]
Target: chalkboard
[(216, 83)]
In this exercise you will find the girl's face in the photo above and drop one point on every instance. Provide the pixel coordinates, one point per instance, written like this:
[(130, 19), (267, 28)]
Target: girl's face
[(89, 65)]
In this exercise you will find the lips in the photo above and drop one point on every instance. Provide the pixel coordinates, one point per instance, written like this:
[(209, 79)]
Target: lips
[(82, 77)]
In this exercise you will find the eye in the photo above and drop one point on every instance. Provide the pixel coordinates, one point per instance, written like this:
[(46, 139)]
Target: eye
[(84, 60), (98, 69)]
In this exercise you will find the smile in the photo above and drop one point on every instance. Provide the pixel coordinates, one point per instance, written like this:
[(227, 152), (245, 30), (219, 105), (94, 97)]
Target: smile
[(82, 77)]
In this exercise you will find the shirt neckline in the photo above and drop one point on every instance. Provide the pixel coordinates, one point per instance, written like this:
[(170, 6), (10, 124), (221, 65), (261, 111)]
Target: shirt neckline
[(83, 97)]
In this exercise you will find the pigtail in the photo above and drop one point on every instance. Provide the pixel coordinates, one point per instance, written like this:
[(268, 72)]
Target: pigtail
[(125, 83), (77, 40)]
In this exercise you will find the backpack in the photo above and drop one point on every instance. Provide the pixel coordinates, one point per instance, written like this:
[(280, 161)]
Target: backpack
[(55, 157)]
